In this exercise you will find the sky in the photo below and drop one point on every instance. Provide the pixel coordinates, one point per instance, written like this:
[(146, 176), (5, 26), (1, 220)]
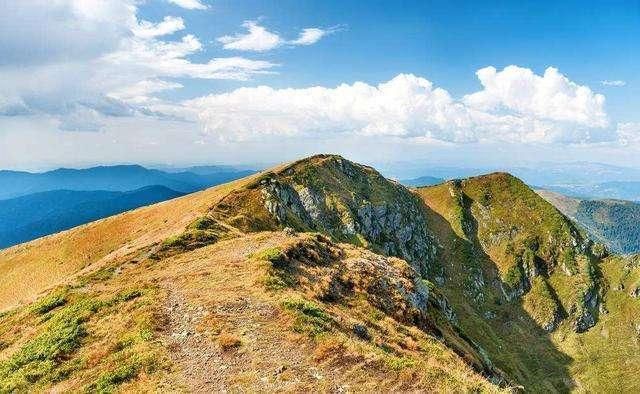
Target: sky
[(187, 82)]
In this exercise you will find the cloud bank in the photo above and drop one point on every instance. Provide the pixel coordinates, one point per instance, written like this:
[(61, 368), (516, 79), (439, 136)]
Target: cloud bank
[(515, 105)]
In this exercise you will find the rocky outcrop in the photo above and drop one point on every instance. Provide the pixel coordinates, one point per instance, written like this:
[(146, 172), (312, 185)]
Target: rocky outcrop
[(352, 203)]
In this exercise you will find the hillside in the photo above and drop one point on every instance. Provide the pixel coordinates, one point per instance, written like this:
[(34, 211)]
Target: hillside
[(150, 308), (322, 275), (612, 222)]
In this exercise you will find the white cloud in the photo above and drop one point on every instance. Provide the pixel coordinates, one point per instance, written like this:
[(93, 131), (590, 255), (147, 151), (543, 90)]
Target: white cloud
[(616, 82), (139, 92), (190, 4), (551, 96), (169, 25), (309, 36), (259, 39), (408, 106), (97, 56)]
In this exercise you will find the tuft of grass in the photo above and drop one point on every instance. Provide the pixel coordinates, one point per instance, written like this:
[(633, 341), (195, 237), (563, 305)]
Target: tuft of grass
[(311, 319), (203, 223), (109, 381), (229, 341), (50, 302), (127, 295), (398, 363), (273, 255), (190, 239)]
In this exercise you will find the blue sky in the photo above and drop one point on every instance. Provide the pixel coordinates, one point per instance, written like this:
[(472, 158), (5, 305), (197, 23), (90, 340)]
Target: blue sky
[(88, 82), (445, 41)]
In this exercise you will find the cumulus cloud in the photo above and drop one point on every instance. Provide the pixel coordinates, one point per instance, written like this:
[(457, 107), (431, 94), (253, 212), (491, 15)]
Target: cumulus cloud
[(259, 39), (551, 96), (190, 4), (616, 82), (411, 107), (97, 56)]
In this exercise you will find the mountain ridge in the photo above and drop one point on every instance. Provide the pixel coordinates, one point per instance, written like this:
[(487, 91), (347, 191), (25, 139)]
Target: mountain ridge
[(361, 273)]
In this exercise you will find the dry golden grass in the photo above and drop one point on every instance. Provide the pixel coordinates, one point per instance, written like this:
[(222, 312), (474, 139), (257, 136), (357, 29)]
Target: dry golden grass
[(30, 268), (164, 323), (228, 341)]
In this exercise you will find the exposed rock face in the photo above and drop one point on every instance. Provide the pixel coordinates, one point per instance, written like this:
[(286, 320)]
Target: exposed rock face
[(352, 203), (389, 284)]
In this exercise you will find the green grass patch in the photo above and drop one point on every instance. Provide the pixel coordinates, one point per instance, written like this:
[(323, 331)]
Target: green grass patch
[(190, 239), (203, 223), (311, 319), (50, 302), (273, 255), (41, 360), (109, 381), (398, 363)]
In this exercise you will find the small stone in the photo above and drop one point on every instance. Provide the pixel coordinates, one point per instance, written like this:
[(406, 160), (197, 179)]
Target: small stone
[(361, 332)]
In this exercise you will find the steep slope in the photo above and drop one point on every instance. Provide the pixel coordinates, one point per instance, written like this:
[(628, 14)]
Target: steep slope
[(565, 204), (194, 294), (520, 270), (350, 202), (28, 217)]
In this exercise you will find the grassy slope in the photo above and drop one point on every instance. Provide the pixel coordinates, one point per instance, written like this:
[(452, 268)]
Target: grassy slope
[(592, 361), (121, 323), (30, 268), (115, 328), (513, 340), (118, 321), (607, 355)]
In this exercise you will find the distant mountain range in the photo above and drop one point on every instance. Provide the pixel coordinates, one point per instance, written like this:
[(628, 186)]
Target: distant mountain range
[(615, 223), (27, 217), (113, 178), (37, 204), (540, 174), (621, 190), (422, 181)]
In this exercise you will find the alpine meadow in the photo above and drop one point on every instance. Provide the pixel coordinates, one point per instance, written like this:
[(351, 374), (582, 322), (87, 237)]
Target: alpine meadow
[(300, 196)]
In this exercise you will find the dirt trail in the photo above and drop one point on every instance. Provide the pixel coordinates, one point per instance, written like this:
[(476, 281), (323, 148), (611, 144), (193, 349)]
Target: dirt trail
[(265, 361)]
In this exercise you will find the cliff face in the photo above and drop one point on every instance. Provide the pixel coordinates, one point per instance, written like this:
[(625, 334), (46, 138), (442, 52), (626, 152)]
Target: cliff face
[(348, 201)]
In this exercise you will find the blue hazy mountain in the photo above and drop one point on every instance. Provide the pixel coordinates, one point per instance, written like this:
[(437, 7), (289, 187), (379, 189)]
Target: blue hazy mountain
[(620, 190), (28, 217), (422, 181), (114, 178)]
